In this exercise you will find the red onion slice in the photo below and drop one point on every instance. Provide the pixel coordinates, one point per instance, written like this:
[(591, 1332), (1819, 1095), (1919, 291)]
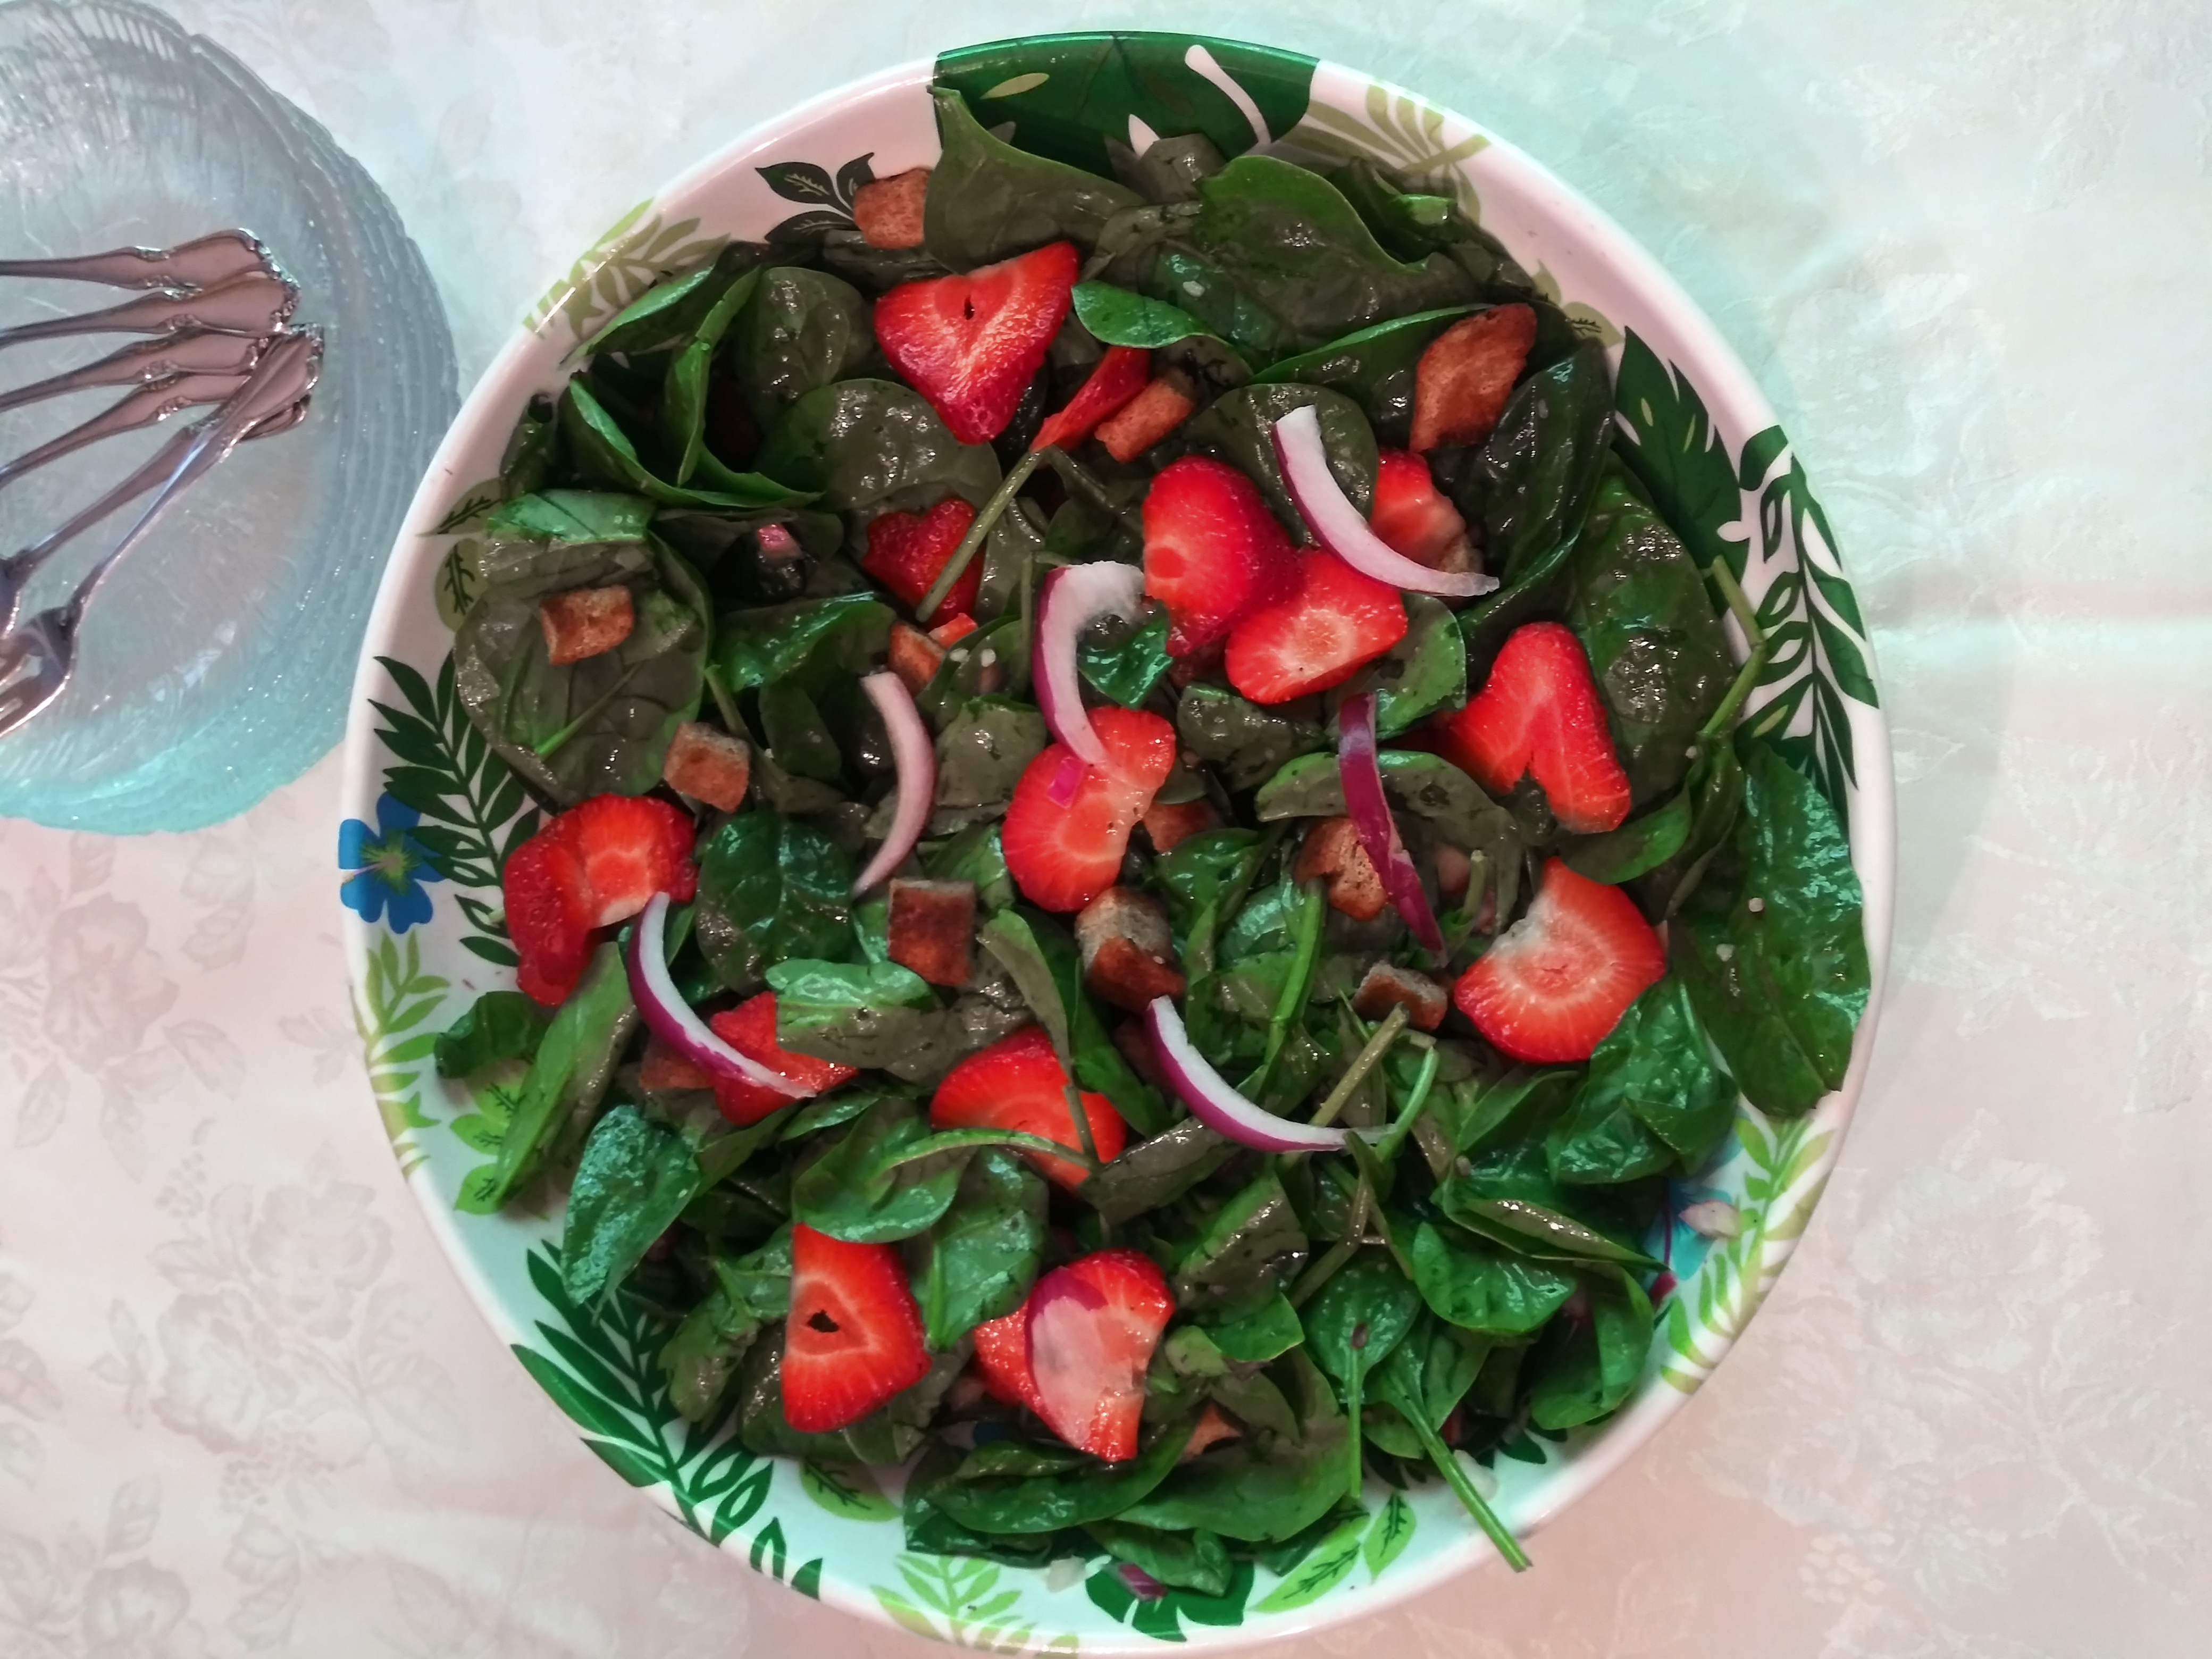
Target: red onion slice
[(675, 1022), (1338, 525), (915, 756), (1216, 1105), (1075, 597), (1360, 768)]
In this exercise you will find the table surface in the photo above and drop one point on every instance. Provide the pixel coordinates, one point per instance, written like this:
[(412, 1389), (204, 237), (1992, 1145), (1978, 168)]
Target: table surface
[(246, 1408)]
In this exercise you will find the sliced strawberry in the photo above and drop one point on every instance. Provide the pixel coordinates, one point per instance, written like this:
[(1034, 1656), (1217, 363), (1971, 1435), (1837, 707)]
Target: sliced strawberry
[(1121, 375), (749, 1028), (1002, 1351), (908, 552), (1213, 550), (1018, 1084), (1561, 978), (1337, 622), (1412, 517), (854, 1336), (1539, 714), (597, 864), (1063, 857), (1092, 1328), (972, 344)]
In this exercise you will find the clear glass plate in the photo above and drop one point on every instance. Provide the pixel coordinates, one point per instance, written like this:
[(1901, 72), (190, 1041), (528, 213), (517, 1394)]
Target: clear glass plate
[(214, 664)]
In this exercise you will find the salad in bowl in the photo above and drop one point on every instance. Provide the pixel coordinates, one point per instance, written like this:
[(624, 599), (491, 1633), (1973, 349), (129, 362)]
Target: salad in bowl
[(1143, 880)]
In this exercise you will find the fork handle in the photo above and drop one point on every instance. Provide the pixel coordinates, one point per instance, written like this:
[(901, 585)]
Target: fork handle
[(255, 303), (184, 269), (142, 408)]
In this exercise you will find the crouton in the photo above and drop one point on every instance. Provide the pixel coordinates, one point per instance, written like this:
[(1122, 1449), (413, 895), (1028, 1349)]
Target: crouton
[(1387, 986), (1128, 956), (1167, 825), (664, 1068), (1332, 849), (933, 929), (708, 765), (1211, 1426), (1454, 870), (914, 657), (1464, 378), (889, 211), (586, 622), (1165, 404), (1135, 1043)]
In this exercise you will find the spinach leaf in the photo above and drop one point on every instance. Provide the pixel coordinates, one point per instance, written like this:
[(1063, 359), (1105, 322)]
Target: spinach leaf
[(1196, 1561), (798, 737), (1601, 1360), (1117, 316), (1247, 1249), (499, 1025), (988, 200), (1248, 743), (1637, 847), (1130, 662), (601, 726), (867, 447), (568, 1078), (1599, 1142), (683, 393), (975, 854), (1511, 1204), (1040, 957), (1780, 979), (811, 643), (978, 1261), (1655, 1065), (1428, 1374), (1714, 790), (635, 1177), (1265, 1487), (869, 1014), (1206, 868), (604, 452), (1373, 366), (1236, 428), (859, 1192), (769, 891), (1534, 477), (1154, 1173), (1638, 604), (571, 515), (804, 329), (1048, 1503), (702, 1354), (1357, 1318), (1425, 671), (669, 312), (982, 751), (1266, 1332), (1475, 1285), (1427, 787)]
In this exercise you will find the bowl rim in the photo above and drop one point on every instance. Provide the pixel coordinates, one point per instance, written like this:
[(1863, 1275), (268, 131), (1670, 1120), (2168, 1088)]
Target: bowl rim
[(1735, 401)]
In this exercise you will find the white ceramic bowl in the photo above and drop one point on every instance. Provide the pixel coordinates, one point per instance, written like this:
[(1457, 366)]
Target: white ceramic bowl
[(1724, 475)]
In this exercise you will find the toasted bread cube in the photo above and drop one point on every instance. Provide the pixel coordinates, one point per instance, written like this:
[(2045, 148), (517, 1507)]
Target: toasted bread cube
[(664, 1068), (933, 929), (1167, 825), (889, 211), (586, 622), (1165, 404), (708, 765), (1332, 849), (1128, 955), (1210, 1426), (1464, 378), (1387, 986), (914, 657)]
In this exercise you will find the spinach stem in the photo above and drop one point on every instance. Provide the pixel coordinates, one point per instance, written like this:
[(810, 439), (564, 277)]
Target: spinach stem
[(1739, 604), (1448, 1467), (1424, 1081), (951, 1140), (1762, 647), (1233, 901), (1324, 1269), (1081, 1120), (725, 704), (1365, 1062), (972, 542), (546, 748), (1295, 986)]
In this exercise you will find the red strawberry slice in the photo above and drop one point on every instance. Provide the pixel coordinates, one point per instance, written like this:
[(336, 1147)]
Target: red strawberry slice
[(597, 864), (1002, 1351), (1539, 714), (853, 1338), (1063, 857), (1092, 1328), (1121, 375), (749, 1028), (1337, 622), (1561, 978), (972, 344), (907, 552), (1213, 551), (1412, 517), (1017, 1084)]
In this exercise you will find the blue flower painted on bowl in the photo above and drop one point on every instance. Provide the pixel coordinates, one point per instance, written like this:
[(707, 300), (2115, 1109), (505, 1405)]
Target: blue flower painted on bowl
[(393, 866)]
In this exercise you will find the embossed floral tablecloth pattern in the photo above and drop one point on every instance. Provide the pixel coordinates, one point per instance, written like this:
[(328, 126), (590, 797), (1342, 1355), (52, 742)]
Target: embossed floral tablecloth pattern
[(244, 1407)]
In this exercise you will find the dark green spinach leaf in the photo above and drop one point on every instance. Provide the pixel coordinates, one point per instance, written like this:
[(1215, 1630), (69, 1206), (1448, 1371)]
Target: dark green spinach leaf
[(770, 891), (988, 201), (499, 1025), (860, 1191), (635, 1177), (978, 1261), (804, 329)]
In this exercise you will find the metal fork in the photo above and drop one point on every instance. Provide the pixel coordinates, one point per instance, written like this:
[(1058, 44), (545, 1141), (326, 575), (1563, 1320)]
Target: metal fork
[(37, 655), (255, 303), (147, 406), (186, 268), (149, 362)]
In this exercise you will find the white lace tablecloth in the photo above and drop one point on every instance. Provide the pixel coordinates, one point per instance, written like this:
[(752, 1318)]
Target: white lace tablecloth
[(244, 1407)]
